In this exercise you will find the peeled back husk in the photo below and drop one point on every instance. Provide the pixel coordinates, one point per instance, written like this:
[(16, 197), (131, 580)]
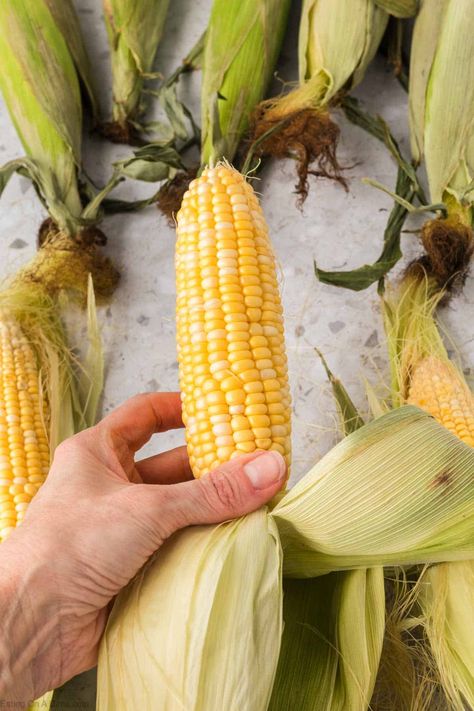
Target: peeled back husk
[(134, 29), (442, 97), (382, 497), (242, 44), (399, 8), (42, 53), (199, 627)]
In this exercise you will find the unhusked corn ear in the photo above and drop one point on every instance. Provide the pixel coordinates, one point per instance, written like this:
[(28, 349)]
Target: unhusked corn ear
[(437, 388), (24, 449), (231, 350)]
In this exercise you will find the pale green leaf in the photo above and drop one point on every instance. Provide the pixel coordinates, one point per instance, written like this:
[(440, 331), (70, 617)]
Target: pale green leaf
[(398, 491), (242, 44), (199, 627)]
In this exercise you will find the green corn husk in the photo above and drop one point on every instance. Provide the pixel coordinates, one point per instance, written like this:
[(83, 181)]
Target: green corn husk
[(43, 60), (134, 30), (242, 44), (442, 97), (442, 603), (442, 127), (200, 626), (41, 89), (446, 601), (395, 461), (399, 8), (333, 625), (332, 641), (330, 61)]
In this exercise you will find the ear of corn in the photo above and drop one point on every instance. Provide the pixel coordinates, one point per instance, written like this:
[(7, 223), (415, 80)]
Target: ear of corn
[(442, 602), (40, 87), (442, 98), (231, 350), (200, 626), (43, 400), (134, 29), (242, 44), (400, 463)]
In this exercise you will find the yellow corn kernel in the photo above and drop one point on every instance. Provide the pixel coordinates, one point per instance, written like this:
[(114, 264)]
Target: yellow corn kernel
[(229, 323), (24, 415), (438, 388)]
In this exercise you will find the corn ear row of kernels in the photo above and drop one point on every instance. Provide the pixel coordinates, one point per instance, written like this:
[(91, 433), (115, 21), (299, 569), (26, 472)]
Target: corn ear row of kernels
[(437, 388), (231, 351), (24, 449)]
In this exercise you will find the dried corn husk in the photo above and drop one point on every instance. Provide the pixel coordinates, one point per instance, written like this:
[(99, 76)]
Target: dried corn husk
[(330, 61), (242, 44), (395, 514), (134, 29), (200, 626), (442, 99)]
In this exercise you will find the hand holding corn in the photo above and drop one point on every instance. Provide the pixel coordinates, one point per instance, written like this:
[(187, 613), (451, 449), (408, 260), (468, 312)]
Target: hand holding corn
[(94, 523)]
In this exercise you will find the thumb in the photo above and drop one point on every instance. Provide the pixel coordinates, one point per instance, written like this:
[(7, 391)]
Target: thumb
[(234, 489)]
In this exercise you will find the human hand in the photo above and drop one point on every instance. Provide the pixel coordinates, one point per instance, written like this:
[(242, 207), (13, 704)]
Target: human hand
[(97, 519)]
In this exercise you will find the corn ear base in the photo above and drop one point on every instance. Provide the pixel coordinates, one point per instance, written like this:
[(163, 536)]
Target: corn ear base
[(134, 30), (200, 626), (399, 462), (242, 44)]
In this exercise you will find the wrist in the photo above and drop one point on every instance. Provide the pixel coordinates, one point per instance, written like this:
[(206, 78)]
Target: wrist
[(30, 647)]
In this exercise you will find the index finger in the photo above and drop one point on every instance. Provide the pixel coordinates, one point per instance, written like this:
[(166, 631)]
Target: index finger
[(133, 423)]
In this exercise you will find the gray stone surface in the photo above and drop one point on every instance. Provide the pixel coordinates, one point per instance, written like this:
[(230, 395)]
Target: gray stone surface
[(339, 229)]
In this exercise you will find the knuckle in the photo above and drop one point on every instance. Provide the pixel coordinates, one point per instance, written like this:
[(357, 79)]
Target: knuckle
[(222, 491)]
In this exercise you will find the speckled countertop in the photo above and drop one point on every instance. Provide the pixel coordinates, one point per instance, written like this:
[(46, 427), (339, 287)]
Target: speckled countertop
[(339, 229)]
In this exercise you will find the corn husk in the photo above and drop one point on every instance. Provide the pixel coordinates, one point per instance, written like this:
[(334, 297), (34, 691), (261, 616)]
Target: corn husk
[(242, 44), (399, 8), (42, 54), (442, 602), (200, 626), (395, 461), (332, 641), (330, 61), (134, 30), (446, 599), (442, 100)]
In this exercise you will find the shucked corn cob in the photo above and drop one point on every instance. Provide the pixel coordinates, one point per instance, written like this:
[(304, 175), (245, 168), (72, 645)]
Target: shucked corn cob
[(24, 450), (437, 388), (231, 352)]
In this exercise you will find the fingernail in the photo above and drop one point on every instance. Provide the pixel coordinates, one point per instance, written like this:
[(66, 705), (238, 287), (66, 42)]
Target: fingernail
[(266, 469)]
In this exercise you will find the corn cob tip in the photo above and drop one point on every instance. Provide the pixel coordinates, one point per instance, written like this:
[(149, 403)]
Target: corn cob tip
[(308, 133), (440, 390), (230, 335), (171, 194)]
